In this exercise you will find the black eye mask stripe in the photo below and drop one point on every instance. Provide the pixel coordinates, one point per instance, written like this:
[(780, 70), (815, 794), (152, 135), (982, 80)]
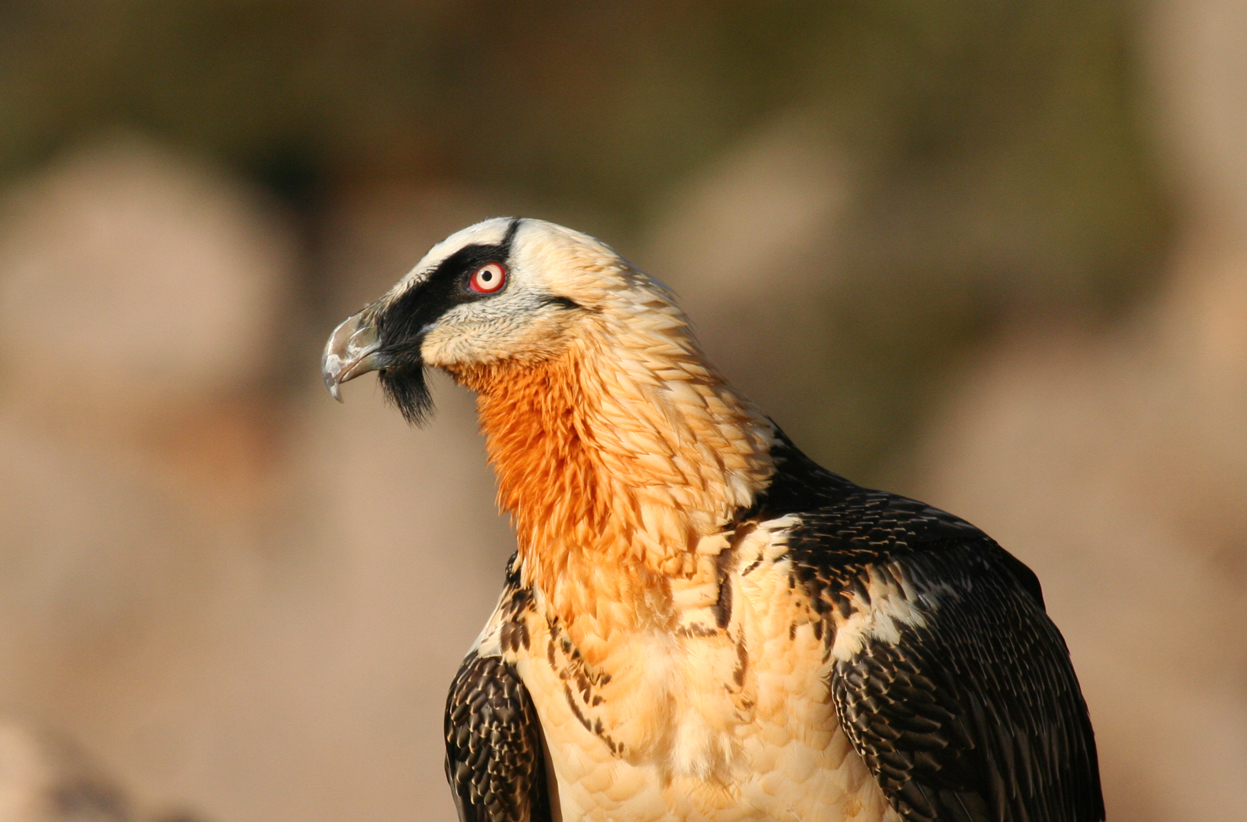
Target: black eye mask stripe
[(402, 326)]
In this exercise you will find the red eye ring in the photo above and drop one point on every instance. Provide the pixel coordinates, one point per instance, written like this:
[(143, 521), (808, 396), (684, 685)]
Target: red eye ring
[(488, 279)]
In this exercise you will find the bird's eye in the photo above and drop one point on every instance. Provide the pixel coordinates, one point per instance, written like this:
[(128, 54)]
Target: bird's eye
[(488, 278)]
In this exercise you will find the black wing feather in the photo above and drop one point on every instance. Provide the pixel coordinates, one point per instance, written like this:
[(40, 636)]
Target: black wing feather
[(974, 716), (494, 758)]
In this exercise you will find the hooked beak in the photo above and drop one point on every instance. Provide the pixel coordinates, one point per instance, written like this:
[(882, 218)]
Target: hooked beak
[(350, 352)]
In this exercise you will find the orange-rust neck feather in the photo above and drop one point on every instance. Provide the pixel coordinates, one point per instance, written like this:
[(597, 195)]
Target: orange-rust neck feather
[(615, 459)]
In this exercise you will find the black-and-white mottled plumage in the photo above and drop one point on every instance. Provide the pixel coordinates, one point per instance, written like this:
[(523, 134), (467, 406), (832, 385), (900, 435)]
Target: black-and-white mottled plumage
[(972, 714), (701, 623), (494, 759), (493, 745)]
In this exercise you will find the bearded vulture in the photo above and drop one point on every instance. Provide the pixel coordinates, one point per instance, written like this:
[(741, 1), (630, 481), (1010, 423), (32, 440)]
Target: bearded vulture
[(699, 622)]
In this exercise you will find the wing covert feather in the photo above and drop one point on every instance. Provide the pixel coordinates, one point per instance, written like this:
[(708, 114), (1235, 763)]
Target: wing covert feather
[(964, 704), (494, 758)]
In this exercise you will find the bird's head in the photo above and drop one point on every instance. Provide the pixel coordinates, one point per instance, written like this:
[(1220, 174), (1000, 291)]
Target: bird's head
[(504, 292), (601, 416)]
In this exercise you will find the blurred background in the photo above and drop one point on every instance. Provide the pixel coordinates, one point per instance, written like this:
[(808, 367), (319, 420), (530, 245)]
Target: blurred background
[(990, 254)]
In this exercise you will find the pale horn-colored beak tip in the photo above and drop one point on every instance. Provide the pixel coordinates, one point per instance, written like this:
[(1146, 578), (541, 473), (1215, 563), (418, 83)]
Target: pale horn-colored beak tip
[(350, 352)]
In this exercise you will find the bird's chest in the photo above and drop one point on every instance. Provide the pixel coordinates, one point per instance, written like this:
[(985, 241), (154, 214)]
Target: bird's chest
[(723, 715)]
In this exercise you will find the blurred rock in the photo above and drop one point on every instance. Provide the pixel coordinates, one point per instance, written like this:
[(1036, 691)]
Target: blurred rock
[(46, 779), (747, 220), (1197, 63), (138, 460), (752, 244), (142, 297), (132, 277)]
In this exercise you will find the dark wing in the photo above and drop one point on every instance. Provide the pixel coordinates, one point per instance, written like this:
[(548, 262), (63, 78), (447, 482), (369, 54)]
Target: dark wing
[(494, 757), (976, 714), (971, 713)]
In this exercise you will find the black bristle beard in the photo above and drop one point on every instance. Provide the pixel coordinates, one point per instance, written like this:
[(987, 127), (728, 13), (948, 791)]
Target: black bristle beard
[(408, 389)]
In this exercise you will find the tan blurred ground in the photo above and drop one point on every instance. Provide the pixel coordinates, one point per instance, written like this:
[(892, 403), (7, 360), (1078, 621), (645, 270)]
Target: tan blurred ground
[(245, 601)]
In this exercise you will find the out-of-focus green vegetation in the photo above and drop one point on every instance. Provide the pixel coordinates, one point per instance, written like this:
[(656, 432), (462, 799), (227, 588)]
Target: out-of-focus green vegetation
[(995, 146)]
